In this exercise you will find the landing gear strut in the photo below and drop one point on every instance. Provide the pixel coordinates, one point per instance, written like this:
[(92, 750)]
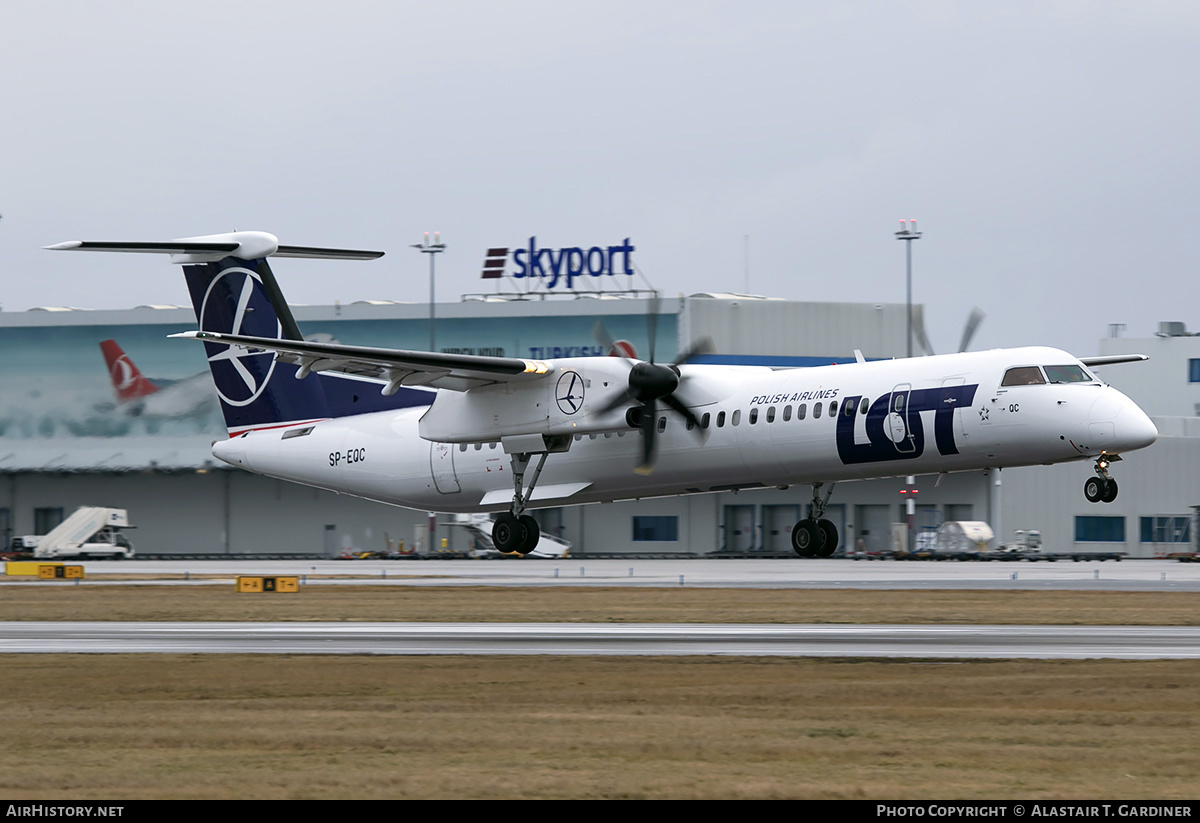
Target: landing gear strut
[(515, 531), (815, 536), (1101, 488)]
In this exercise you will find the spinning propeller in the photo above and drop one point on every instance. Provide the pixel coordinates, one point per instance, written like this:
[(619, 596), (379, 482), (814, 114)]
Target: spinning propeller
[(974, 319), (650, 382)]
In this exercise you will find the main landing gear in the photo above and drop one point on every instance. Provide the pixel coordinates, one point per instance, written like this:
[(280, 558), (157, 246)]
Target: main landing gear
[(814, 536), (1101, 488), (514, 531)]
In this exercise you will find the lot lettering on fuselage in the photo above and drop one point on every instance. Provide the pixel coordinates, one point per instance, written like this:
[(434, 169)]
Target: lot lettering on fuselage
[(903, 436)]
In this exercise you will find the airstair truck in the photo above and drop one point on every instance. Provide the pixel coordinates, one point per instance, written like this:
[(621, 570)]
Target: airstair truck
[(91, 532)]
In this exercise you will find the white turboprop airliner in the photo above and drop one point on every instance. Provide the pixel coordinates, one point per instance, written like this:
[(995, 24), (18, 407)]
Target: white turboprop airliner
[(350, 419)]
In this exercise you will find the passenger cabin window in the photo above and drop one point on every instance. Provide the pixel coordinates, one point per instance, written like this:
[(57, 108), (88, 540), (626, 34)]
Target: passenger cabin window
[(705, 420), (1023, 376), (832, 408), (736, 418), (753, 416), (863, 406), (1067, 374), (770, 414), (787, 413), (801, 410), (816, 410), (720, 420)]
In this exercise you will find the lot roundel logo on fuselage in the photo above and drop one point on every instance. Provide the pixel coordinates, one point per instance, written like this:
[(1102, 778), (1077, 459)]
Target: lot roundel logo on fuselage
[(569, 392), (235, 303)]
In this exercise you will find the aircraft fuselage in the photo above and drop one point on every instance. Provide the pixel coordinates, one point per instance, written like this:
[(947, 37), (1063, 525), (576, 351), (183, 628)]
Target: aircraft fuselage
[(763, 428)]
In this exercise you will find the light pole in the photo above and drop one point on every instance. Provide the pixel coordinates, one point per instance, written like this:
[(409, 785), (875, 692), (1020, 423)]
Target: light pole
[(431, 249), (908, 232)]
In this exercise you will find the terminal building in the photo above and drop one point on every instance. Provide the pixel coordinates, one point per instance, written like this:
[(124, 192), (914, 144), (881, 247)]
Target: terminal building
[(100, 408)]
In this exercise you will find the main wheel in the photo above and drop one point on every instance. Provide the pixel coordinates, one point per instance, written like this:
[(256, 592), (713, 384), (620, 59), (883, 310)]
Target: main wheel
[(807, 538), (831, 538), (533, 533), (508, 533), (1110, 491), (1093, 489)]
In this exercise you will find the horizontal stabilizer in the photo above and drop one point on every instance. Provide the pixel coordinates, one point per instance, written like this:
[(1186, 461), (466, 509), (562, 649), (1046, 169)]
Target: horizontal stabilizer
[(245, 245)]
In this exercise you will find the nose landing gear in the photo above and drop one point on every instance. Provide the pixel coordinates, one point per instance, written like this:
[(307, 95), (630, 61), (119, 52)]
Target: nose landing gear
[(1101, 488)]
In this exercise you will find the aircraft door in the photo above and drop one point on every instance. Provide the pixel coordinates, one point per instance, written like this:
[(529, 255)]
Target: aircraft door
[(960, 421), (739, 528), (777, 524), (441, 464), (898, 425)]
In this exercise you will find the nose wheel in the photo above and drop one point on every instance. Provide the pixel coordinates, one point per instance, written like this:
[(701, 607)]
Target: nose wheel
[(1101, 488)]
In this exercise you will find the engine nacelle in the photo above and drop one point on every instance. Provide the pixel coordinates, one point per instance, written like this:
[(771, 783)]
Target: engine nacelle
[(568, 401)]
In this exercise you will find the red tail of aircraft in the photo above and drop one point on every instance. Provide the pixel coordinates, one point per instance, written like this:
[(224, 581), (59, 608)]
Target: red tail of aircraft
[(128, 383)]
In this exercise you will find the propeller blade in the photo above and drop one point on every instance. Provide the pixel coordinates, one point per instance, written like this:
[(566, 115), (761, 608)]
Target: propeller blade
[(600, 335), (652, 323), (918, 325), (701, 345), (673, 402), (618, 401), (973, 321), (649, 430)]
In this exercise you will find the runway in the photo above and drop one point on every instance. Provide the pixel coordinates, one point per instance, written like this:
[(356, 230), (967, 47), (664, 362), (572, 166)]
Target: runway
[(935, 642), (922, 642), (1128, 575)]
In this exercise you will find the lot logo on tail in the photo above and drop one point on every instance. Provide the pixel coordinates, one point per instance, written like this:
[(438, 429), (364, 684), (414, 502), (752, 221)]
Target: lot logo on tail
[(235, 303)]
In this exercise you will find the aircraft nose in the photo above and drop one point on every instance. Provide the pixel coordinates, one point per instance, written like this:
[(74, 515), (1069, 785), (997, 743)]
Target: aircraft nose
[(1134, 429)]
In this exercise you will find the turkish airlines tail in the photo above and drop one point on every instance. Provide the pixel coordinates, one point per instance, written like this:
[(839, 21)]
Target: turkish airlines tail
[(128, 382)]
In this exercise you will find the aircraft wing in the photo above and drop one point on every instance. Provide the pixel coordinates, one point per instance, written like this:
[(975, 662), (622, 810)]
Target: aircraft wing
[(1112, 358), (457, 372)]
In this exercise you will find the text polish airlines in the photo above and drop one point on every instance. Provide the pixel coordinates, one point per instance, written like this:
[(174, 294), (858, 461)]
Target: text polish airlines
[(463, 433)]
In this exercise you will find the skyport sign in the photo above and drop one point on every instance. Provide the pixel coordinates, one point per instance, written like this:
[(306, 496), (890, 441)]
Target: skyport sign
[(559, 266)]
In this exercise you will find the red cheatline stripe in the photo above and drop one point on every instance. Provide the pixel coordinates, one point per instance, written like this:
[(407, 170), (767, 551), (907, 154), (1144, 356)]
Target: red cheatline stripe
[(243, 430)]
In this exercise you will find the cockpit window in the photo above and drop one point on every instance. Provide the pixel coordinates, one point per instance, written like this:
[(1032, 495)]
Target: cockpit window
[(1023, 376), (1067, 374)]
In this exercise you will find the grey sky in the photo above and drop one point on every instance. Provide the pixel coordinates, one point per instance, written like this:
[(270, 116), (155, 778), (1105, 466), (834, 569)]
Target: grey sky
[(1048, 149)]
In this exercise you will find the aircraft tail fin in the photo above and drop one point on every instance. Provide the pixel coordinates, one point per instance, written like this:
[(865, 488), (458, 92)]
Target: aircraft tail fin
[(233, 291), (128, 381)]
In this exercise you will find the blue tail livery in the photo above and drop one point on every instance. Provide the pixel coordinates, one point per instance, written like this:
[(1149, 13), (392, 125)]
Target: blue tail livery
[(233, 291)]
